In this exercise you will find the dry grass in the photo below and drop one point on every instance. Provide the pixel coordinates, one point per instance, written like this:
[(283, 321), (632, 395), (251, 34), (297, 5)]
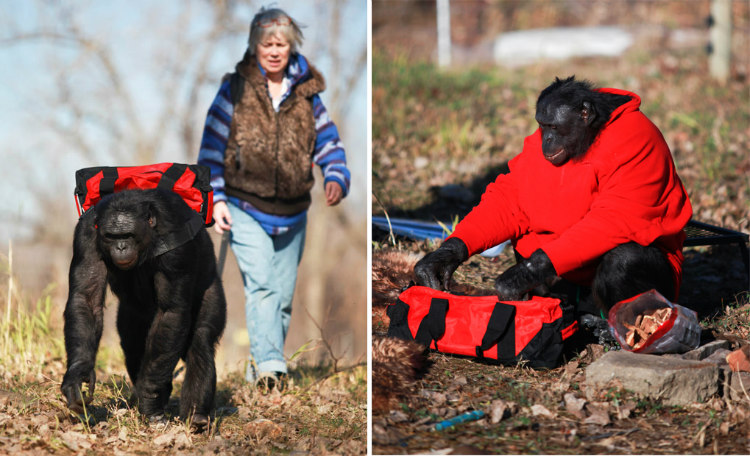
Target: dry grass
[(322, 411)]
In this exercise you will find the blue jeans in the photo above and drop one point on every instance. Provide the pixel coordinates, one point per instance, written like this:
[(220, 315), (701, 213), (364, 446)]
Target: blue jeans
[(269, 272)]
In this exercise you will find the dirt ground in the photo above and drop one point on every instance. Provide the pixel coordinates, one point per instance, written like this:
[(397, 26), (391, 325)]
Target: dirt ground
[(533, 413), (439, 137)]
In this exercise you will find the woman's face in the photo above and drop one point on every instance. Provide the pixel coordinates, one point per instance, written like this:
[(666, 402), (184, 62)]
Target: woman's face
[(273, 54)]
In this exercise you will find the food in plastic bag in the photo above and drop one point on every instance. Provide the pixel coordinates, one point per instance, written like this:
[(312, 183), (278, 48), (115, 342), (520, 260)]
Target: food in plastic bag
[(650, 323)]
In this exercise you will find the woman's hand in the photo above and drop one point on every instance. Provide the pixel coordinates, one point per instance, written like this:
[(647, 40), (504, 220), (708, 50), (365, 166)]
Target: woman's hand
[(334, 193), (222, 217)]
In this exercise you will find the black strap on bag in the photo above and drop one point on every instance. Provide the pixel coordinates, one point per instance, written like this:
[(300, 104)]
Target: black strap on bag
[(183, 235), (171, 176), (501, 331), (107, 184), (432, 326)]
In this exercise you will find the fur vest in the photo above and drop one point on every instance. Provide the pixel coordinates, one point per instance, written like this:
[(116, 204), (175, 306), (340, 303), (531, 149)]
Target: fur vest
[(268, 160)]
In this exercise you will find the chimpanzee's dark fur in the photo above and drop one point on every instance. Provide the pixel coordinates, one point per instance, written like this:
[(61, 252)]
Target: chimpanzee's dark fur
[(577, 112), (171, 305)]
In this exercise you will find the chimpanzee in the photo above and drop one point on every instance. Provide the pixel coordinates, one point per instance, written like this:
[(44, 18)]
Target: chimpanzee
[(171, 300), (593, 200)]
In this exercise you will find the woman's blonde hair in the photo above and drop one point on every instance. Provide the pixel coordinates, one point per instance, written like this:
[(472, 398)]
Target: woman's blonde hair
[(270, 21)]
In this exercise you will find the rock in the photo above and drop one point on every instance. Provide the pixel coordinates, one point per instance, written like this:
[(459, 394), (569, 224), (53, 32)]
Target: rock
[(675, 381), (707, 350), (739, 360), (719, 357), (739, 386)]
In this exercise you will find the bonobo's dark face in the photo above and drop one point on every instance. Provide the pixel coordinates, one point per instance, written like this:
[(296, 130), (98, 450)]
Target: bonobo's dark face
[(564, 131), (123, 235)]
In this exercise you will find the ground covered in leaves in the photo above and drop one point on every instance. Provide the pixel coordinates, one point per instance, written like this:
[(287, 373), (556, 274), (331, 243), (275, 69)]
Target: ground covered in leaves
[(323, 410), (321, 413), (440, 136), (553, 411)]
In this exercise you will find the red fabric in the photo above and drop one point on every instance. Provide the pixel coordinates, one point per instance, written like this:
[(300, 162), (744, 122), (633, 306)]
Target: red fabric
[(467, 318), (148, 177), (625, 188)]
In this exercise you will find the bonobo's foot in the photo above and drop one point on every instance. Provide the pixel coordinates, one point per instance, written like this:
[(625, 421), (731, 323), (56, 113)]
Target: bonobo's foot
[(199, 422), (599, 328)]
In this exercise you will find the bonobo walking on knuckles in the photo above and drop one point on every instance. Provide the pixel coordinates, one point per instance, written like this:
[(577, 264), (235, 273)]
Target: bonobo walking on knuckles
[(171, 302), (593, 200)]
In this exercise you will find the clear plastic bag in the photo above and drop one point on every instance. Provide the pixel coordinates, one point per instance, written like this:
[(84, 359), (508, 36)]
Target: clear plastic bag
[(680, 332)]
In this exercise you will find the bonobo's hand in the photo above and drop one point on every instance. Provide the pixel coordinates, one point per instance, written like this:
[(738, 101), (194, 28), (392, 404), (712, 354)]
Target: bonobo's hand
[(72, 390), (512, 284), (436, 268)]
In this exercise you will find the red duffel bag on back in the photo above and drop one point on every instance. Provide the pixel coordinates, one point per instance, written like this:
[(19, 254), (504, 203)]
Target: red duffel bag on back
[(483, 327), (191, 182)]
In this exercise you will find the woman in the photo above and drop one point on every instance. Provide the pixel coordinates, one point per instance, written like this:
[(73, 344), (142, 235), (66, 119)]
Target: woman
[(264, 130)]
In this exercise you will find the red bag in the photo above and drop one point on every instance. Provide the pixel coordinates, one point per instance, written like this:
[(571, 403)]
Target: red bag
[(483, 327), (191, 182)]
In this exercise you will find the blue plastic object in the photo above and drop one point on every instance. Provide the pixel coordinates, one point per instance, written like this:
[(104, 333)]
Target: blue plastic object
[(420, 230), (463, 418)]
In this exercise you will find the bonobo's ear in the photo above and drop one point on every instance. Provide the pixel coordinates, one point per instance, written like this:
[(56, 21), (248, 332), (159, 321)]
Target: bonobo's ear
[(151, 217), (588, 113)]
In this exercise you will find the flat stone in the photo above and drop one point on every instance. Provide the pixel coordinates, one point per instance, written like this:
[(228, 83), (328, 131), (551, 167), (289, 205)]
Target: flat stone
[(719, 357), (707, 350), (736, 383), (672, 380)]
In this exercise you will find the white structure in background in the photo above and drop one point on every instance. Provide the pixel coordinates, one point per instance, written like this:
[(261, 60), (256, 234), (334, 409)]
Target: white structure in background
[(444, 32), (721, 40), (527, 46)]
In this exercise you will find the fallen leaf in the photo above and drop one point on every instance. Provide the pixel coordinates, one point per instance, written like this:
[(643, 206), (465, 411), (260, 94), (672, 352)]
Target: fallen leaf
[(538, 409), (385, 436), (598, 416), (263, 428), (574, 405), (75, 440), (182, 441), (499, 409), (164, 439), (624, 411), (435, 397), (397, 416)]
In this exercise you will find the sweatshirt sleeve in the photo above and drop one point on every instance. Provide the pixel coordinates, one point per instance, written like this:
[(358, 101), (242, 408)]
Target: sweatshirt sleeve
[(640, 198), (329, 152), (215, 137), (497, 218)]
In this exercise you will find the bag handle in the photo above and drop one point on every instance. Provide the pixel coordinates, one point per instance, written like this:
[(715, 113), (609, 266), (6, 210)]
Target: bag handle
[(501, 330), (432, 326), (107, 183), (172, 175)]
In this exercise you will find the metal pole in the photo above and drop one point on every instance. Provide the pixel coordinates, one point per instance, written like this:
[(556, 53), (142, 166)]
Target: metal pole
[(444, 32), (721, 39)]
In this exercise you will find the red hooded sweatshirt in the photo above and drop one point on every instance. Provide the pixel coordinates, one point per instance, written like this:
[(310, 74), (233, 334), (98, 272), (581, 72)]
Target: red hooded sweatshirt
[(625, 188)]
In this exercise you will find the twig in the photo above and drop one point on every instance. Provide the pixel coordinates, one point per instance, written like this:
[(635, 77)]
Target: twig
[(387, 219), (328, 346)]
